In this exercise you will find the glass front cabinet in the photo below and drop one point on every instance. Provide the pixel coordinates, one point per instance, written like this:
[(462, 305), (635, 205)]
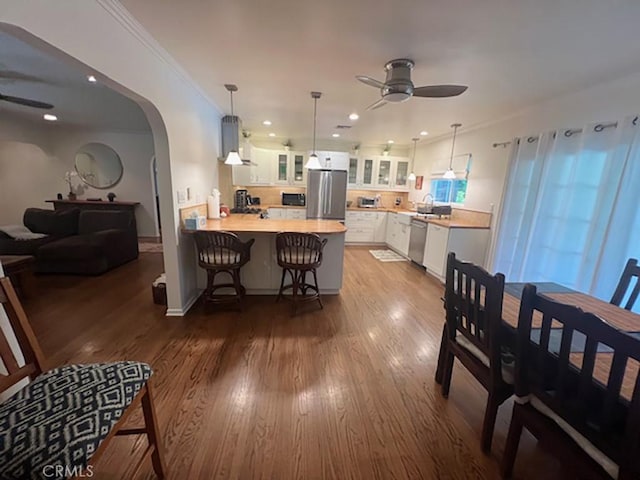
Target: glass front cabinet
[(290, 168)]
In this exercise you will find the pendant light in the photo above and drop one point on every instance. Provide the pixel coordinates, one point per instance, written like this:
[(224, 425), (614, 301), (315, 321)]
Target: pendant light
[(412, 175), (449, 174), (313, 163), (232, 157)]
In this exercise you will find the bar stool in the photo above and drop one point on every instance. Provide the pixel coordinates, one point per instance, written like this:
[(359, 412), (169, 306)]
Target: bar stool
[(222, 252), (299, 253)]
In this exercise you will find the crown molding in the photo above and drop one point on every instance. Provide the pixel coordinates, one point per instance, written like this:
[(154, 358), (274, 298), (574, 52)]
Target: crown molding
[(135, 28)]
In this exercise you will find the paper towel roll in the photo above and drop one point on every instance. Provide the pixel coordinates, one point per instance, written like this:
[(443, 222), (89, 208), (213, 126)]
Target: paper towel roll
[(213, 206)]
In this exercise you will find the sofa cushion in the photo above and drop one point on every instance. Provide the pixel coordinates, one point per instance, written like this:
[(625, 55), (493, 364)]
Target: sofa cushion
[(77, 247), (63, 415), (96, 220), (59, 223), (23, 247)]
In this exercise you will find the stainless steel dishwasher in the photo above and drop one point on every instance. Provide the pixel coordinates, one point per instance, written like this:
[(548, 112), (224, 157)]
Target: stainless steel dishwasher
[(417, 240)]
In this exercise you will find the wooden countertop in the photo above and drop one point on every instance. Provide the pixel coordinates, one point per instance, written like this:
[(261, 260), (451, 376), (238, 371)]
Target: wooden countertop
[(450, 223), (253, 223)]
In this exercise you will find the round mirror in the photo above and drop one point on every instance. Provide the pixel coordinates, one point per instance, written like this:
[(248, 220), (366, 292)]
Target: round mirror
[(98, 165)]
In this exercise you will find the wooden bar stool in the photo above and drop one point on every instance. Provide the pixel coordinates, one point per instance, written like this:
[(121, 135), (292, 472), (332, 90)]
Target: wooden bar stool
[(222, 252), (299, 253)]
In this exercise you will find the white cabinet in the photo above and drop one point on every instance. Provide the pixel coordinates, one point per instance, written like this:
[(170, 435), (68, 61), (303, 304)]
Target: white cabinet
[(361, 172), (398, 232), (288, 213), (400, 174), (289, 167), (333, 160), (469, 245), (383, 173), (258, 172), (365, 227)]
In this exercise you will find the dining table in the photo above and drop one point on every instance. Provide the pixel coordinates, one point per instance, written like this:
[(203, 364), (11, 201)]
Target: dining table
[(615, 316)]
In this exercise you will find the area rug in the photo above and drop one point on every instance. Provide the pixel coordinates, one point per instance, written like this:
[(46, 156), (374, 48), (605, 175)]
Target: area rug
[(145, 247), (387, 256)]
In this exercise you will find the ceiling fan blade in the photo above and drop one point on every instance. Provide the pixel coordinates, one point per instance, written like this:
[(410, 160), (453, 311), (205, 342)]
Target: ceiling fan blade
[(26, 102), (380, 103), (439, 91), (370, 81), (10, 76)]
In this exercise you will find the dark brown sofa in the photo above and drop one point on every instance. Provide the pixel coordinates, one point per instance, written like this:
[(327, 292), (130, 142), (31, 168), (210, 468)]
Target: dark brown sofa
[(98, 241)]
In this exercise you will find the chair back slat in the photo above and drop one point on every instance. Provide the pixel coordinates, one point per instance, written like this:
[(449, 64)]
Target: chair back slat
[(222, 249), (473, 303), (577, 392), (33, 356), (296, 250), (630, 275)]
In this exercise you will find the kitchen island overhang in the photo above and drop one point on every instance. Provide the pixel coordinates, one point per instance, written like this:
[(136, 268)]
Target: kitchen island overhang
[(262, 275)]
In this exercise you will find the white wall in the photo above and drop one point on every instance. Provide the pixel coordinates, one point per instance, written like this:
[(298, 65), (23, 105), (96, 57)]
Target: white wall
[(604, 102), (37, 157), (135, 151), (607, 101), (101, 36), (26, 169)]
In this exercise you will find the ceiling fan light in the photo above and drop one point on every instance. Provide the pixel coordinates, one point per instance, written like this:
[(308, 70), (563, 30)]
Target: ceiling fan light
[(412, 177), (313, 163), (449, 174), (233, 158)]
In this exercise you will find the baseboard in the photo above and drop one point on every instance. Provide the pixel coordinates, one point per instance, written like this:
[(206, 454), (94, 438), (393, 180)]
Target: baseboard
[(181, 312)]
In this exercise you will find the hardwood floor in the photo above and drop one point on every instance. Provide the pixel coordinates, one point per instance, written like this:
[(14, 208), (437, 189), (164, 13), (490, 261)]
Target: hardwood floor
[(344, 392)]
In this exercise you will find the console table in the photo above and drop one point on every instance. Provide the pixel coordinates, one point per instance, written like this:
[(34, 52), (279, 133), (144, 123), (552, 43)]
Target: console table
[(95, 205)]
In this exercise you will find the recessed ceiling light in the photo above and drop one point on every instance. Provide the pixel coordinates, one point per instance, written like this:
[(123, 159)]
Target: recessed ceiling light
[(266, 123), (390, 142), (91, 79), (354, 116), (335, 135), (272, 134), (424, 133), (49, 117)]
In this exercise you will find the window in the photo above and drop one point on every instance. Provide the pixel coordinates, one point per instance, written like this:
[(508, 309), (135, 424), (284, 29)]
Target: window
[(449, 191)]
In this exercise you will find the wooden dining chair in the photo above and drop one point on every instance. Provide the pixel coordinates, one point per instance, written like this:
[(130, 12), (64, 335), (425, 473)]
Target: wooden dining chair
[(59, 424), (570, 396), (630, 274), (473, 335)]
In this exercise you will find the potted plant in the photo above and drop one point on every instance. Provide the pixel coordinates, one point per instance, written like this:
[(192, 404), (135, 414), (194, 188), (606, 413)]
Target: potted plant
[(68, 177)]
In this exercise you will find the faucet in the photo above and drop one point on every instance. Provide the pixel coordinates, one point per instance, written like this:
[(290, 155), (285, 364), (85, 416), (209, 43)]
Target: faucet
[(428, 202)]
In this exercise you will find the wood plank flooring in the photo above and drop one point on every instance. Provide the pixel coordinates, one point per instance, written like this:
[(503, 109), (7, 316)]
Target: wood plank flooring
[(341, 393)]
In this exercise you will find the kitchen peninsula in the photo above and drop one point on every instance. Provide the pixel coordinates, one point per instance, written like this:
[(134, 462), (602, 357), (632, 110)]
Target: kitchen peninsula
[(261, 276)]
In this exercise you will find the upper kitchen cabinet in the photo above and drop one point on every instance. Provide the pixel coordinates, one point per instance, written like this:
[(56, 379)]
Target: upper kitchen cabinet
[(392, 173), (257, 172), (360, 173), (289, 168), (333, 160)]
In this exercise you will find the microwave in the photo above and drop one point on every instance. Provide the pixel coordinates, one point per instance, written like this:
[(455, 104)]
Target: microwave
[(294, 199), (366, 202)]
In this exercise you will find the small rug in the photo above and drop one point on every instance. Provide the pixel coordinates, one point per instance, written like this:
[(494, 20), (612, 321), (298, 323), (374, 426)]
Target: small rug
[(387, 256), (150, 247)]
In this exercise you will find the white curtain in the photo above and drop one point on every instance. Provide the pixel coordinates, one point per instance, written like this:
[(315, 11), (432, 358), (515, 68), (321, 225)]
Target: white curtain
[(570, 212)]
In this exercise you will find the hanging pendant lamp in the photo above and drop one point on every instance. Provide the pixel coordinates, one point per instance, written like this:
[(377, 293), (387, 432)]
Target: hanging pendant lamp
[(412, 175), (233, 158), (449, 174), (313, 163)]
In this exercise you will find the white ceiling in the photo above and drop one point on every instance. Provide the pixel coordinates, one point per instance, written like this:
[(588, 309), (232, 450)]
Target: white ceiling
[(511, 53), (30, 73)]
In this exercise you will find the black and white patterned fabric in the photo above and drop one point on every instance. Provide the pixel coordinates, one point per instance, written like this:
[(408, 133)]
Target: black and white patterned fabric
[(62, 417)]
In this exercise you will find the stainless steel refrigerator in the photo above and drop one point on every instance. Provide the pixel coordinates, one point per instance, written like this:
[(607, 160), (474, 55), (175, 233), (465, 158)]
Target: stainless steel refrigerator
[(326, 194)]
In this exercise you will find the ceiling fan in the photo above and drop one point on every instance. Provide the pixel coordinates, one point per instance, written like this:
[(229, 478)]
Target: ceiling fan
[(398, 86), (25, 101)]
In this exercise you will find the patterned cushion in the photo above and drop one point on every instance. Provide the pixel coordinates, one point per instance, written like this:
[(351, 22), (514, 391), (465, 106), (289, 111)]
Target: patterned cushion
[(63, 415)]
